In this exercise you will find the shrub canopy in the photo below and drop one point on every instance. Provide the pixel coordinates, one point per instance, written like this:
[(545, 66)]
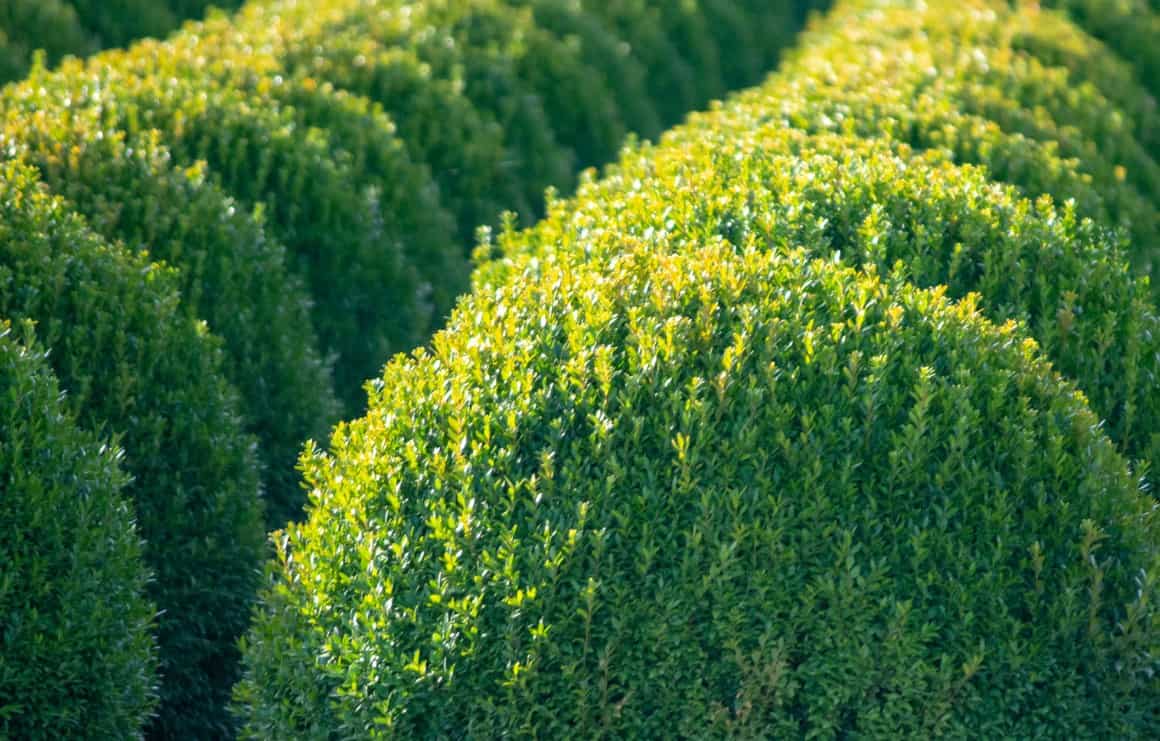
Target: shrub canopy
[(712, 493), (675, 469)]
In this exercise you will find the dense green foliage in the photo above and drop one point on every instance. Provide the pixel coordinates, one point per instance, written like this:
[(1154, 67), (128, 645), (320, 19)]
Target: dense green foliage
[(310, 174), (772, 169), (28, 25), (350, 148), (780, 427), (1130, 27), (712, 493), (970, 81), (233, 273), (914, 217), (76, 654), (674, 469), (135, 367), (79, 27), (283, 105)]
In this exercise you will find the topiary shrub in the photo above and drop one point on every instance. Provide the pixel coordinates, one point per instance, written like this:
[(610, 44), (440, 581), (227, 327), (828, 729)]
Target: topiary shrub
[(79, 27), (912, 216), (136, 368), (972, 85), (233, 273), (76, 651), (364, 243), (710, 494)]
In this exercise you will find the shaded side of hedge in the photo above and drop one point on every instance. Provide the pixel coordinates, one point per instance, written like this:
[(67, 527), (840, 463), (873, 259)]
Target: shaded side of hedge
[(138, 369), (76, 654)]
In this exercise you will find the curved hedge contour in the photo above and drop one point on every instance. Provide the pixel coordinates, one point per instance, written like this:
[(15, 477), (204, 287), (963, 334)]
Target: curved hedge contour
[(674, 469), (76, 654), (135, 368)]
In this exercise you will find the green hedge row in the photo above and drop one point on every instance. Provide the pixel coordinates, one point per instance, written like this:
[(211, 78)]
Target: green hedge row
[(306, 176), (139, 370), (838, 171), (76, 655), (79, 27), (843, 173), (674, 469), (1130, 27), (913, 216), (987, 95)]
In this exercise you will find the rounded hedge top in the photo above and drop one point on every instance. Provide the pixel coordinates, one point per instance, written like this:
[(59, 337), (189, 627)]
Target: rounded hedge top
[(231, 272), (912, 216), (76, 654), (705, 494), (968, 79), (77, 27)]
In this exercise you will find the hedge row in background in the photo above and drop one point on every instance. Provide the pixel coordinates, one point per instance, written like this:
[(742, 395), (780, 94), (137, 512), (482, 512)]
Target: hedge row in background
[(310, 173), (138, 370), (841, 160), (1004, 92), (76, 655), (1131, 27), (79, 27), (673, 469)]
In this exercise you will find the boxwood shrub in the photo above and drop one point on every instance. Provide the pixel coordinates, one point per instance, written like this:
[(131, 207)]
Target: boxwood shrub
[(79, 27), (914, 217), (138, 370), (233, 273), (712, 493), (973, 86), (370, 244), (76, 650), (675, 470)]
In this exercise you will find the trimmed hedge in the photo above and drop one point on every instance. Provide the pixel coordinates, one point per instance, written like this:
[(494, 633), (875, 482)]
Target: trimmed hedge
[(136, 368), (80, 27), (355, 243), (311, 182), (76, 654), (668, 473), (973, 86), (914, 217), (232, 273), (712, 493)]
